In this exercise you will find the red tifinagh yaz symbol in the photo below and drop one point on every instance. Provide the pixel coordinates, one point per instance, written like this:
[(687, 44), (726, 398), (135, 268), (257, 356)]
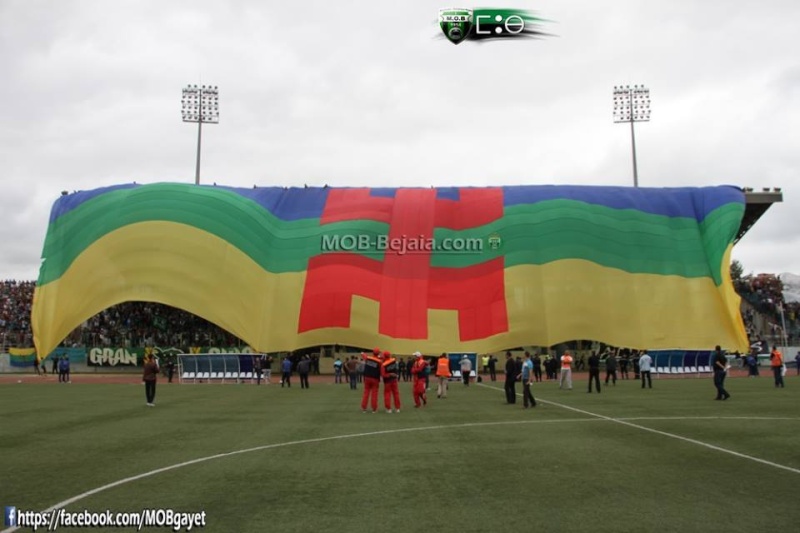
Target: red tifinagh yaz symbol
[(407, 286)]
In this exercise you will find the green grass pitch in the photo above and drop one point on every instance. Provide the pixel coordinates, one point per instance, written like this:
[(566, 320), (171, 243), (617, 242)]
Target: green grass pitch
[(312, 461)]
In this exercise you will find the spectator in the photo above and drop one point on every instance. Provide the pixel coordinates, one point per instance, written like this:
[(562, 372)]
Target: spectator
[(418, 371), (257, 368), (645, 364), (372, 379), (466, 369), (170, 370), (286, 370), (720, 365), (337, 370), (752, 363), (443, 374), (566, 371), (351, 367), (594, 371), (611, 368), (303, 369), (266, 367), (63, 370), (776, 362), (150, 376), (511, 380), (390, 390), (493, 367), (623, 365), (537, 367), (527, 378)]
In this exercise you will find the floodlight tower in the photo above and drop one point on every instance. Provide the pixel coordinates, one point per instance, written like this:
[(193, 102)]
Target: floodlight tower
[(632, 105), (200, 104)]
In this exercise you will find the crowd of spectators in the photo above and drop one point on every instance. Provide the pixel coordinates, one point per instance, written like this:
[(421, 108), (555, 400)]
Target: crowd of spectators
[(124, 325), (149, 324), (16, 298), (15, 312), (764, 292)]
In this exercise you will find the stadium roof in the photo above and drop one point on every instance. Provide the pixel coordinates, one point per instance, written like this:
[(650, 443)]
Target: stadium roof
[(756, 204)]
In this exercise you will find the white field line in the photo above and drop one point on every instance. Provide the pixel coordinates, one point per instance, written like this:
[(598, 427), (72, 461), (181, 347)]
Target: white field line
[(625, 422), (593, 417), (137, 477)]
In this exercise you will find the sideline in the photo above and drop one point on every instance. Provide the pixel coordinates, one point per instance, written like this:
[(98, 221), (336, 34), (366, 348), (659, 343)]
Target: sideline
[(625, 422)]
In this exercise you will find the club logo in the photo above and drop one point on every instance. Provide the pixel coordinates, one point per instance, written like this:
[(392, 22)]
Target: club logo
[(494, 241), (460, 24), (456, 23)]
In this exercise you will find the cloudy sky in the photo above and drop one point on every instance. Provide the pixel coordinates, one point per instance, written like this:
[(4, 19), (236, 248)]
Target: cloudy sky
[(367, 92)]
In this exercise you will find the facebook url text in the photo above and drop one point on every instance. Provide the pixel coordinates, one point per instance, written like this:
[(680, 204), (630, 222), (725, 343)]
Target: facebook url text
[(146, 518)]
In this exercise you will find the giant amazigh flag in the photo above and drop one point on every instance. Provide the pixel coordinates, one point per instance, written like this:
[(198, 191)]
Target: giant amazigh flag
[(447, 269)]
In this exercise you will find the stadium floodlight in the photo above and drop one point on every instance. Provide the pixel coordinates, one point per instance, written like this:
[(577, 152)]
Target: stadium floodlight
[(201, 105), (632, 104)]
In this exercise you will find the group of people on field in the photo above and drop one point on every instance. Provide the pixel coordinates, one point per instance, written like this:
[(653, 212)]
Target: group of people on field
[(721, 366), (529, 371), (60, 366), (382, 366)]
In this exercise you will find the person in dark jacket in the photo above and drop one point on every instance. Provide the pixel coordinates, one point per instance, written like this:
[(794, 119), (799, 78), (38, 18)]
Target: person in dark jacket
[(511, 379), (611, 368), (594, 370), (303, 368), (257, 368), (63, 370), (493, 367), (537, 367), (150, 376), (170, 370), (286, 372), (720, 365)]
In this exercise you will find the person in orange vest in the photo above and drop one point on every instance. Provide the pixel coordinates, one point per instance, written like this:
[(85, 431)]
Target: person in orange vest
[(566, 371), (372, 379), (776, 362), (390, 390), (443, 373), (418, 371)]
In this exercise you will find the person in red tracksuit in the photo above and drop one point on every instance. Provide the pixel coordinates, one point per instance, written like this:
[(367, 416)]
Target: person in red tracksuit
[(418, 372), (389, 374), (372, 379)]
